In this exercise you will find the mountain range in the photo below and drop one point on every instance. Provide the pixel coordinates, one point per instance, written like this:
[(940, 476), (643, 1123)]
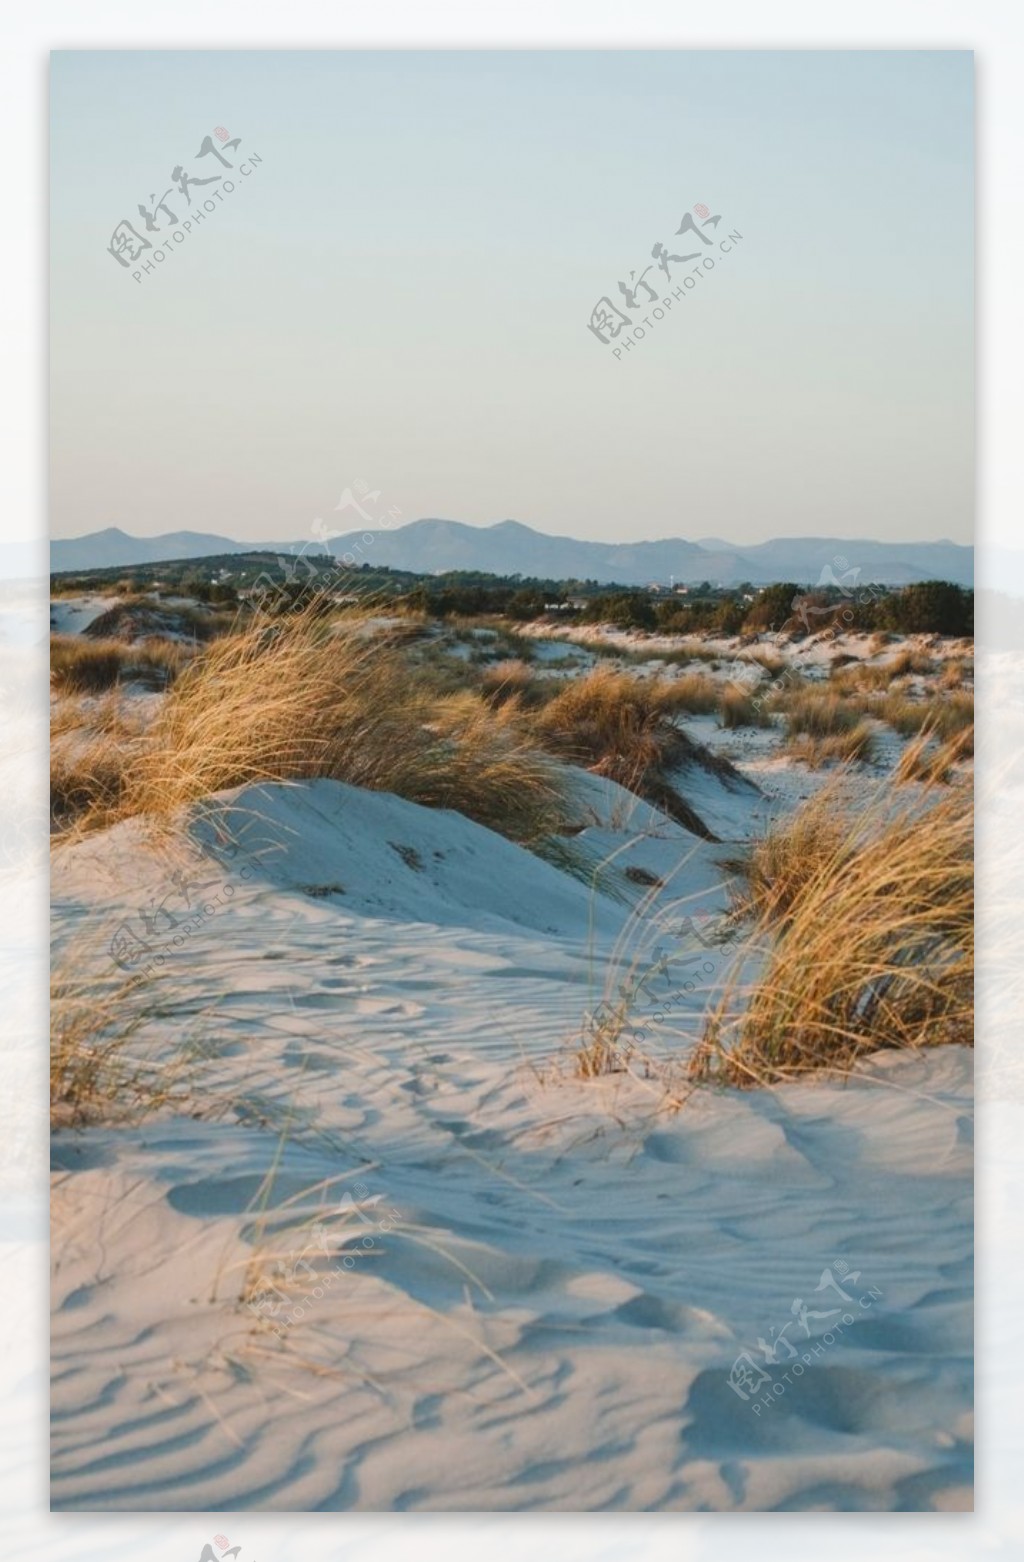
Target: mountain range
[(510, 548)]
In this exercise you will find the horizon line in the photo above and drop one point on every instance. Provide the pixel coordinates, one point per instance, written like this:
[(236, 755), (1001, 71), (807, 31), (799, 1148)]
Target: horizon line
[(258, 544)]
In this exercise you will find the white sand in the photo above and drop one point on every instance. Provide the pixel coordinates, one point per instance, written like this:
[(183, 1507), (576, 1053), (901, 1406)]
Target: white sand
[(73, 615)]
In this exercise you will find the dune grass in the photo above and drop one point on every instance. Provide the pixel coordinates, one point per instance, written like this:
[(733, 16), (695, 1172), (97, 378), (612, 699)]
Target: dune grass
[(622, 727), (136, 616), (693, 693), (864, 677), (776, 870), (816, 712), (88, 781), (823, 726), (738, 709), (933, 762), (956, 673), (82, 666), (943, 716), (99, 1071), (772, 662), (854, 745), (512, 679), (299, 699), (690, 650), (865, 924), (94, 741)]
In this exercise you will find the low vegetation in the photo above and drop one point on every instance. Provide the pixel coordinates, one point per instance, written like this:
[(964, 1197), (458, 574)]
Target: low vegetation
[(739, 709), (859, 919), (777, 870), (83, 666), (941, 716), (94, 742), (854, 745), (298, 700), (88, 781), (513, 679), (864, 676), (816, 712), (622, 727), (99, 1071), (867, 941), (933, 762)]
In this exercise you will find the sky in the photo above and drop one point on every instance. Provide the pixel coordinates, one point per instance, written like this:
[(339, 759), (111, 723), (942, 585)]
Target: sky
[(396, 298)]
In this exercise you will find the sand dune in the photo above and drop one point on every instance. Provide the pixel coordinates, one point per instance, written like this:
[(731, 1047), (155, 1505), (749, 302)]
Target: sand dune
[(533, 1291)]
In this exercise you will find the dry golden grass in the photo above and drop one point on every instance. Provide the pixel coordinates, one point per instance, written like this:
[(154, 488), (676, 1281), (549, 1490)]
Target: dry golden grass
[(98, 1071), (159, 661), (778, 867), (931, 762), (607, 720), (694, 693), (621, 727), (772, 662), (297, 700), (866, 676), (135, 617), (855, 745), (94, 742), (81, 666), (738, 709), (868, 944), (816, 710), (114, 713), (911, 662), (479, 762), (88, 781), (513, 679), (956, 673), (603, 1047), (942, 716), (823, 725)]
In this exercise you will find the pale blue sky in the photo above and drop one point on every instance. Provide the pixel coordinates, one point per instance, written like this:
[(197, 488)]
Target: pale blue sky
[(400, 293)]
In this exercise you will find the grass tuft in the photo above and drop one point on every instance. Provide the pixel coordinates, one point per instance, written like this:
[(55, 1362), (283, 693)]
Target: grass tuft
[(737, 709), (80, 666), (622, 727), (298, 700), (868, 940), (97, 1073), (932, 763), (853, 746)]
